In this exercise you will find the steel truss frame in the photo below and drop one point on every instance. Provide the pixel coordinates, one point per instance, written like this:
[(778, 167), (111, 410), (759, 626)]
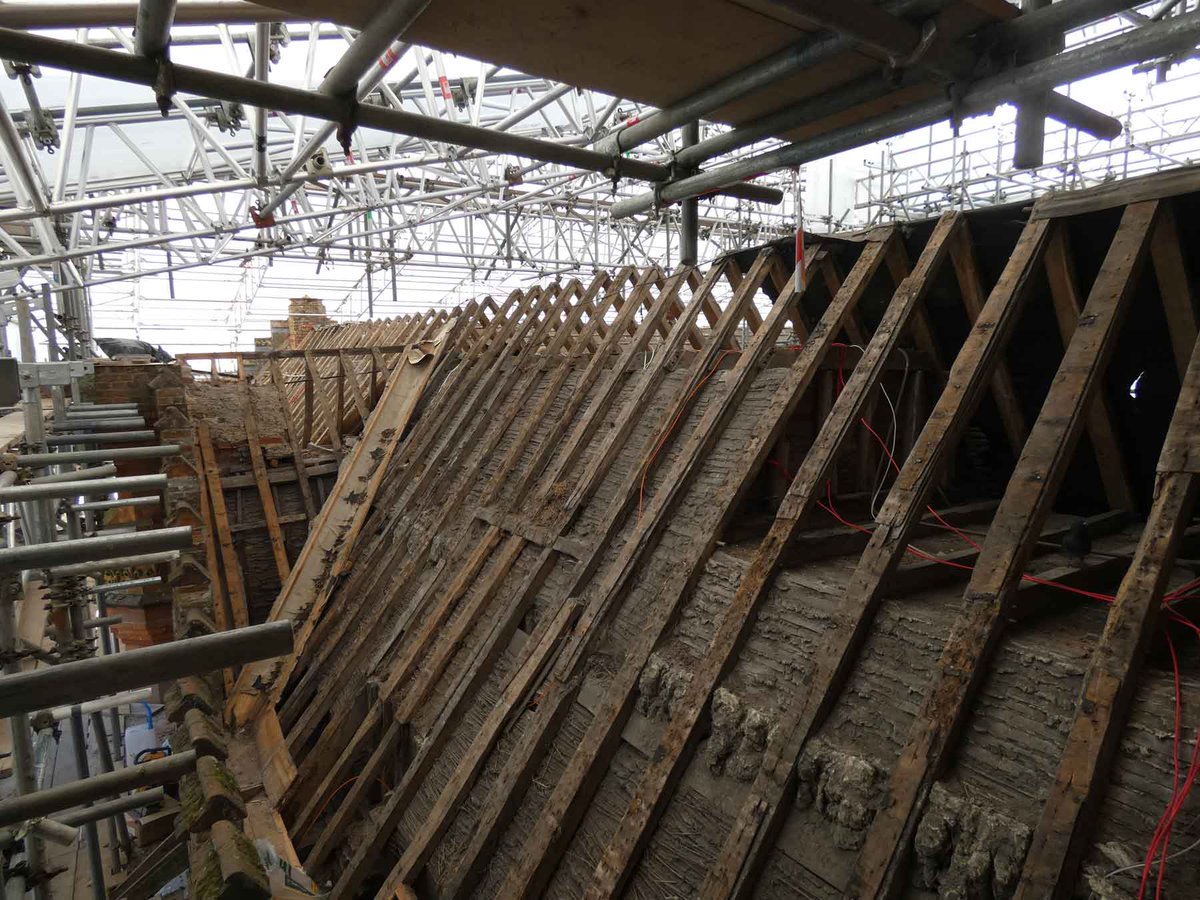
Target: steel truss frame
[(386, 208)]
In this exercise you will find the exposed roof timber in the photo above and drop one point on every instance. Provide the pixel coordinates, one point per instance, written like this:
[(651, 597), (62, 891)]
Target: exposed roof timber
[(1157, 39)]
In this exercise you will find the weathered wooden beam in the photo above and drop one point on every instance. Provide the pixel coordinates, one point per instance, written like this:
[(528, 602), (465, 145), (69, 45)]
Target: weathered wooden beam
[(232, 567), (482, 450), (1064, 291), (301, 725), (356, 392), (974, 295), (1060, 839), (684, 729), (364, 581), (310, 508), (1006, 549), (313, 577), (744, 853), (511, 615), (564, 809), (556, 698), (1175, 287), (270, 513), (327, 406)]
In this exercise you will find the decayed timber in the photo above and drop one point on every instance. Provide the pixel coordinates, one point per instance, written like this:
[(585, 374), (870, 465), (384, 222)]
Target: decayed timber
[(590, 547), (319, 758), (761, 816), (1058, 842), (232, 567), (270, 513), (1007, 548), (395, 677), (311, 577), (565, 807), (683, 731)]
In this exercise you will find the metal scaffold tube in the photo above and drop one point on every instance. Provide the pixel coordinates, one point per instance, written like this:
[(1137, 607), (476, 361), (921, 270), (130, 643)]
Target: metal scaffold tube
[(86, 425), (75, 793), (131, 69), (88, 456), (111, 437), (124, 585), (61, 490), (1145, 42), (99, 811), (15, 559), (119, 503), (115, 562), (73, 476), (774, 68), (75, 682), (153, 30)]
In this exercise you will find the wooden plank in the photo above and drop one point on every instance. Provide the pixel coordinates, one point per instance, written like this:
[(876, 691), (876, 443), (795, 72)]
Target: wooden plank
[(600, 463), (1175, 288), (647, 328), (333, 533), (457, 391), (270, 513), (310, 508), (276, 763), (415, 446), (306, 433), (1006, 549), (302, 724), (583, 386), (522, 683), (1060, 839), (564, 809), (556, 698), (482, 449), (220, 601), (616, 438), (1064, 291), (1122, 192), (523, 597), (922, 331), (328, 410), (685, 727), (239, 610), (744, 853), (970, 287), (453, 710), (356, 391)]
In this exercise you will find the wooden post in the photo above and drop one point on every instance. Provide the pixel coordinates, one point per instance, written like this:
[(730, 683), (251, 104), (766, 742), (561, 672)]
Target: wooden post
[(1060, 268)]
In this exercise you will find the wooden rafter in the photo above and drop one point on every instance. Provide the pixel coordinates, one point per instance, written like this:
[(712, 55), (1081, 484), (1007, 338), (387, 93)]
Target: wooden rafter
[(1059, 840), (1007, 548), (754, 831), (685, 728)]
